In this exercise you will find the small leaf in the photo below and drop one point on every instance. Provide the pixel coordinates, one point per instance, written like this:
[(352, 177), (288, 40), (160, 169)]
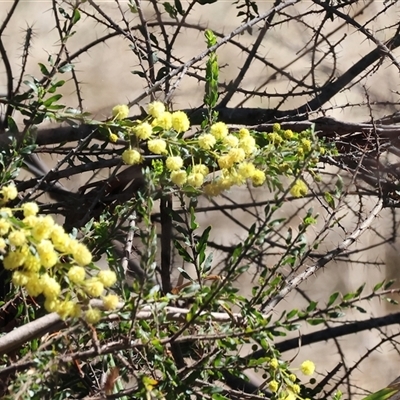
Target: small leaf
[(382, 394), (185, 274), (329, 200), (292, 313), (312, 306), (66, 68), (332, 298), (315, 321), (76, 17), (378, 286), (43, 69), (339, 186), (52, 99)]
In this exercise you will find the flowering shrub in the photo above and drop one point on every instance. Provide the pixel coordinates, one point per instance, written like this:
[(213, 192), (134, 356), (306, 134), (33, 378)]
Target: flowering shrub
[(172, 339), (214, 159), (47, 261)]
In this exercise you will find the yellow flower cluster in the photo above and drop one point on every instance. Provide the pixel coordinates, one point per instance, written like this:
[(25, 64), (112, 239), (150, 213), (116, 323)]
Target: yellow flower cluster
[(236, 156), (285, 383), (299, 189), (45, 260)]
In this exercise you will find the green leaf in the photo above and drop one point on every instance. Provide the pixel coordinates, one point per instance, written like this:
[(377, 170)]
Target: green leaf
[(202, 243), (183, 252), (170, 9), (332, 298), (292, 313), (315, 321), (378, 286), (178, 6), (382, 394), (66, 68), (339, 186), (389, 283), (185, 274), (329, 200), (52, 99), (76, 17), (31, 85), (43, 69), (312, 306), (56, 85), (193, 224)]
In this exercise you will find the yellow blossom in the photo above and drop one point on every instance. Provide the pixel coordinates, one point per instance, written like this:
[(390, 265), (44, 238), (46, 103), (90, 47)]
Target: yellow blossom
[(246, 169), (290, 396), (110, 302), (225, 183), (207, 141), (113, 137), (107, 277), (307, 367), (275, 138), (120, 111), (59, 238), (66, 309), (201, 169), (29, 209), (17, 238), (288, 134), (51, 288), (42, 228), (230, 140), (3, 244), (273, 386), (76, 274), (236, 155), (51, 304), (157, 146), (92, 316), (195, 179), (180, 121), (276, 127), (274, 363), (295, 388), (30, 221), (225, 162), (258, 178), (7, 211), (4, 226), (9, 192), (32, 263), (14, 259), (155, 109), (212, 189), (178, 177), (164, 120), (93, 287), (306, 145), (48, 257), (131, 157), (293, 377), (20, 278), (143, 131), (299, 189), (248, 144), (219, 130), (244, 133), (34, 287), (81, 254), (174, 163)]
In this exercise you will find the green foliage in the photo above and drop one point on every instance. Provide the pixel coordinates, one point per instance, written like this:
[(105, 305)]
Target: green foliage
[(183, 322)]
